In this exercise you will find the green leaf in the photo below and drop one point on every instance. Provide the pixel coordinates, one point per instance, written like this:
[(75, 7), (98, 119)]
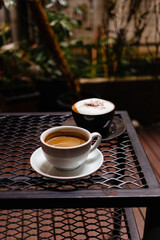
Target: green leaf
[(7, 3), (66, 25)]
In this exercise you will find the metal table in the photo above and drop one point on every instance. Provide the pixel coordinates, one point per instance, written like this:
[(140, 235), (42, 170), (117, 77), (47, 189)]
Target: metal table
[(96, 207)]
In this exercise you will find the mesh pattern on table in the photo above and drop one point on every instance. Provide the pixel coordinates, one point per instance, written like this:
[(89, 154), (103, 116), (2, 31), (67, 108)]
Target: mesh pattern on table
[(59, 224), (19, 137)]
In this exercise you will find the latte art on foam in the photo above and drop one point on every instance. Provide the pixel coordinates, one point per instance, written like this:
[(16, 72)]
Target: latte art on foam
[(93, 106)]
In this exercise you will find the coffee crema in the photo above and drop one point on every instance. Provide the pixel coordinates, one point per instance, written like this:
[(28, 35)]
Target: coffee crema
[(93, 106), (65, 139)]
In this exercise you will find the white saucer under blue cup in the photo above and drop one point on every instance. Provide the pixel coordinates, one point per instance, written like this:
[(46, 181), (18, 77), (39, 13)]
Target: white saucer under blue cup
[(40, 164)]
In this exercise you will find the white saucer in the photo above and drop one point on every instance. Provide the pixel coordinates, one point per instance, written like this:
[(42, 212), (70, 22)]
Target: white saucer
[(43, 167)]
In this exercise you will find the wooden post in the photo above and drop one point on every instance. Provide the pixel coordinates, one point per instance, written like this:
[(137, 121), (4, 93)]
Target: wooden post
[(52, 44)]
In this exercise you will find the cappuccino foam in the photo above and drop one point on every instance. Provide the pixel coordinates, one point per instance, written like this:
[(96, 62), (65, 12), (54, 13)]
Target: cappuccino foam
[(93, 106)]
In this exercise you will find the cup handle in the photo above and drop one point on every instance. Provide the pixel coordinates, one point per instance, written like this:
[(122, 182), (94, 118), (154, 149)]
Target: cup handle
[(97, 142)]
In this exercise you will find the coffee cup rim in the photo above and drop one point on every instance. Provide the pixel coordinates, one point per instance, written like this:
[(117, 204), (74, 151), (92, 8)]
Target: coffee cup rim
[(49, 130), (95, 114)]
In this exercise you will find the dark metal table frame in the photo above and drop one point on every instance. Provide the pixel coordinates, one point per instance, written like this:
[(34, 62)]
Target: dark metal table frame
[(145, 195)]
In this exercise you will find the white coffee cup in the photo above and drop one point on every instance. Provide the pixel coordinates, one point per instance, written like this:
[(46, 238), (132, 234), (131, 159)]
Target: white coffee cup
[(68, 158)]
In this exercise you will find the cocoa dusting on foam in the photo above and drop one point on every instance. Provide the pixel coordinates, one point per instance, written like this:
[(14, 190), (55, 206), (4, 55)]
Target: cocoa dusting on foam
[(94, 106)]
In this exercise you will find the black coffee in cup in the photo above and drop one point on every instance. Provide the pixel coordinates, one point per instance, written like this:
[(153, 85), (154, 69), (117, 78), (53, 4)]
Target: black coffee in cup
[(65, 155), (65, 139)]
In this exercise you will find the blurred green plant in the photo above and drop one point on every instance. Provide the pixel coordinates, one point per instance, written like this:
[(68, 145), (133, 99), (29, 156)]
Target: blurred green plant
[(62, 25), (8, 3), (115, 48), (115, 53), (5, 33), (14, 74)]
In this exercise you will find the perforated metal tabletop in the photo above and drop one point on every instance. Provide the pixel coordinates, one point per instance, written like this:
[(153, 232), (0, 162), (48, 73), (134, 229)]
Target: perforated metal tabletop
[(124, 180)]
